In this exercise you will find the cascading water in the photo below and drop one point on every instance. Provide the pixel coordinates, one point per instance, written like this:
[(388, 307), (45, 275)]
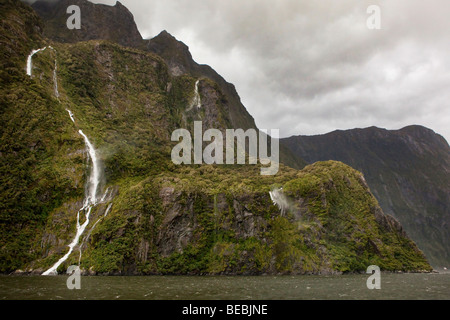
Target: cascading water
[(278, 198), (55, 80), (108, 193), (30, 68), (95, 224), (80, 230), (94, 178), (91, 199), (30, 60), (107, 210), (71, 115), (196, 101)]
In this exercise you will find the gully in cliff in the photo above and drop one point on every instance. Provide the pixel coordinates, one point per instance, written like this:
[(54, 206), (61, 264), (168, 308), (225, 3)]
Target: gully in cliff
[(214, 153)]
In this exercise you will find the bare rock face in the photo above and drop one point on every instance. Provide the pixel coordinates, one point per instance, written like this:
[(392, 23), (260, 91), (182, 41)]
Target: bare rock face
[(175, 53), (98, 22)]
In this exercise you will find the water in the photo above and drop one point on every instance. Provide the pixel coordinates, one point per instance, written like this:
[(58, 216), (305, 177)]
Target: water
[(393, 286), (55, 77), (94, 177), (91, 199), (89, 202), (279, 199), (71, 115), (345, 287), (30, 62), (196, 101)]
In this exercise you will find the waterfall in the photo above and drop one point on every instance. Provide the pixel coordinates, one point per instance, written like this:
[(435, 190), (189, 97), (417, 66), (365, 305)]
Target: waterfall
[(196, 101), (107, 210), (93, 227), (91, 199), (89, 202), (30, 62), (94, 177), (71, 115), (80, 230), (30, 68), (278, 198), (55, 80), (105, 196)]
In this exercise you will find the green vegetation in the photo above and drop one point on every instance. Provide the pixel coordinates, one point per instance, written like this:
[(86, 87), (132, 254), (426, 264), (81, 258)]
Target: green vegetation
[(342, 202), (39, 166)]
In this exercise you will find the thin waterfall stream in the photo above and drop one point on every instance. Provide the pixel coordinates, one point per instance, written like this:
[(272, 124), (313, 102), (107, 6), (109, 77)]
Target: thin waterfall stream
[(196, 100), (91, 200), (30, 60)]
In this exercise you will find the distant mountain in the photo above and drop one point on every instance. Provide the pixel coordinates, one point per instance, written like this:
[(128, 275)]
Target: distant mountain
[(408, 171)]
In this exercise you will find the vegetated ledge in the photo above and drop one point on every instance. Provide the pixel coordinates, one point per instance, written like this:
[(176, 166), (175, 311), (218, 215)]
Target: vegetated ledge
[(223, 222)]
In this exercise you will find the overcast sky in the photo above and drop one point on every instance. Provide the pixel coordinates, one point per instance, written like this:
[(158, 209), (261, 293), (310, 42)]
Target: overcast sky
[(310, 67)]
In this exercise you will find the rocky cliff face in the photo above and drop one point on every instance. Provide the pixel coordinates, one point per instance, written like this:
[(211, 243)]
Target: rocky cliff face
[(408, 171), (159, 218), (114, 23)]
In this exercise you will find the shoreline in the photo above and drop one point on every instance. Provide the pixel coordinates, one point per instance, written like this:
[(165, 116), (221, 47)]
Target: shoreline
[(35, 273)]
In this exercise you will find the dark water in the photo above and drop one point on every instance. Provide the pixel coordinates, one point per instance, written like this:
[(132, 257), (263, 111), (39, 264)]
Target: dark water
[(393, 286)]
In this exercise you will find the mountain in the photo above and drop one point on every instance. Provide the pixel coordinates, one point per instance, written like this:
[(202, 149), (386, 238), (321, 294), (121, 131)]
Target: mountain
[(408, 171), (87, 178), (116, 24)]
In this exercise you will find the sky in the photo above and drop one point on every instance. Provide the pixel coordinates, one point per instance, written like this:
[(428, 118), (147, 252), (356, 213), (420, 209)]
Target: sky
[(310, 67)]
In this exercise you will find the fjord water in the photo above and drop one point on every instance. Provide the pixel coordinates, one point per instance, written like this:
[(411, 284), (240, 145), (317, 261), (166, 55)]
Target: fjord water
[(344, 287)]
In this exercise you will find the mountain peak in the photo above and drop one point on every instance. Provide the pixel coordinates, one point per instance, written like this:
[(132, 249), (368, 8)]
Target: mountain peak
[(120, 6), (175, 52), (166, 34), (99, 22)]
